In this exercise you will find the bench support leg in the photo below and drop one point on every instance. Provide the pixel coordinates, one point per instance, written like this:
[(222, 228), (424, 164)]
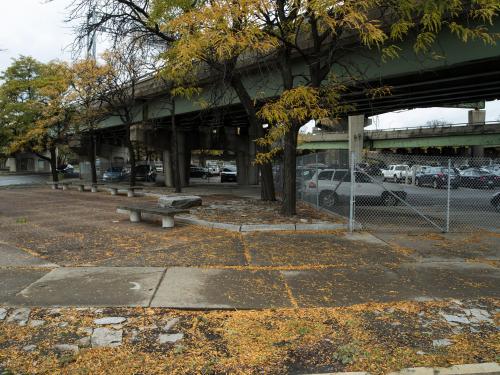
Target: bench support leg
[(65, 187), (113, 191), (54, 186), (93, 189), (167, 222), (135, 216), (130, 193), (80, 188)]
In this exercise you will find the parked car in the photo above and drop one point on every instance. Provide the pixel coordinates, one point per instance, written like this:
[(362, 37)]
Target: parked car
[(495, 201), (68, 171), (228, 174), (437, 177), (333, 187), (493, 169), (478, 179), (145, 172), (199, 172), (115, 174), (213, 170), (396, 172)]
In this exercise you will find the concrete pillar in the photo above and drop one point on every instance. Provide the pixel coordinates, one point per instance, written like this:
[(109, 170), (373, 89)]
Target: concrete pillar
[(356, 128), (477, 117), (242, 159), (11, 164), (253, 170), (181, 149), (167, 168)]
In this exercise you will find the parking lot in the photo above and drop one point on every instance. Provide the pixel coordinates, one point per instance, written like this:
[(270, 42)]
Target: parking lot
[(470, 209)]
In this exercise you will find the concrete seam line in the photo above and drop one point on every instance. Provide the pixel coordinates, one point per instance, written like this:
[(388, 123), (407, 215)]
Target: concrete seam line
[(157, 287)]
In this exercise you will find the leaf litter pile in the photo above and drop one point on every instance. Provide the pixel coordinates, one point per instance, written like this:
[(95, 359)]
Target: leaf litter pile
[(368, 337)]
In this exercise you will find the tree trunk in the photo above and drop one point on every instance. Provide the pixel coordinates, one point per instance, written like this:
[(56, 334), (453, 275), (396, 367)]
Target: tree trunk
[(53, 164), (290, 143), (289, 171), (175, 152), (267, 192), (92, 155)]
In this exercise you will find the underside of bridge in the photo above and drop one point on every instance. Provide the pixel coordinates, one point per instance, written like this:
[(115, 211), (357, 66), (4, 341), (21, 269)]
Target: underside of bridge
[(226, 128)]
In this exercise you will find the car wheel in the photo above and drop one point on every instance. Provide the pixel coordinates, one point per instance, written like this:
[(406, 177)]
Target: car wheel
[(417, 182), (384, 179), (435, 184), (396, 179), (389, 200), (328, 199)]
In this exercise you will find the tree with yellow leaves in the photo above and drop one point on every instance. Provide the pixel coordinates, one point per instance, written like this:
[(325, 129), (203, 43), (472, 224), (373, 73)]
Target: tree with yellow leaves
[(212, 39), (41, 111), (89, 83), (320, 33)]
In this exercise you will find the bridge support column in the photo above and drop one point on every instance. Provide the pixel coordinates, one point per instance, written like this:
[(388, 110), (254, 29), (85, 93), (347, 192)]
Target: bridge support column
[(182, 154), (244, 140), (477, 117), (356, 126), (167, 169), (253, 170), (242, 163)]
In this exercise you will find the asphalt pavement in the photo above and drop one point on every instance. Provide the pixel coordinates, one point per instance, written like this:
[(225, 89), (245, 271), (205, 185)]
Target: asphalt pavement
[(23, 179)]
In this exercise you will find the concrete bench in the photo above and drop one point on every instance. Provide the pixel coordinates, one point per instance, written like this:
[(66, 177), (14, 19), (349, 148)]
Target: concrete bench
[(55, 185), (113, 189), (167, 214), (82, 185), (65, 185)]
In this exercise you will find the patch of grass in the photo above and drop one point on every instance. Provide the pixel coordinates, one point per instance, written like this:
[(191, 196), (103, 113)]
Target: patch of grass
[(66, 358), (347, 354), (21, 220)]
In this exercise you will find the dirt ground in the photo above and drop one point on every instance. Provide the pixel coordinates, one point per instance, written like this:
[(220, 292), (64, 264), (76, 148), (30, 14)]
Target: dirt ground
[(74, 229)]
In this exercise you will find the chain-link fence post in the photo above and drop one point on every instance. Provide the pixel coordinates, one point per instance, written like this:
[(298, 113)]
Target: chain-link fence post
[(448, 193), (352, 192)]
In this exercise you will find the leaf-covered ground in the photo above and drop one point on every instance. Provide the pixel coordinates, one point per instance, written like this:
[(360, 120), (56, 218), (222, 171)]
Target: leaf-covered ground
[(369, 337), (74, 229)]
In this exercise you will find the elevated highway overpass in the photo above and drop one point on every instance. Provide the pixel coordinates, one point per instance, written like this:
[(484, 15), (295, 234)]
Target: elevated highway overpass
[(453, 73), (475, 139)]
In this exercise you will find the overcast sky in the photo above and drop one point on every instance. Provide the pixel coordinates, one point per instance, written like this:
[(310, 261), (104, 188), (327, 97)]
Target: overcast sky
[(36, 28)]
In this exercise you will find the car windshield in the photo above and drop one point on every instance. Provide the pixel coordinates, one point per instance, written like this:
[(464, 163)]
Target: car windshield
[(229, 169), (114, 169), (142, 168)]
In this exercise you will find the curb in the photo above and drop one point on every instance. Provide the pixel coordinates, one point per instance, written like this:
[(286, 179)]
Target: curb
[(490, 368), (259, 227)]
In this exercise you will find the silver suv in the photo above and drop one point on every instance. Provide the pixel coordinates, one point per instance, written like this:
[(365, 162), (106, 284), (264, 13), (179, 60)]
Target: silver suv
[(334, 187)]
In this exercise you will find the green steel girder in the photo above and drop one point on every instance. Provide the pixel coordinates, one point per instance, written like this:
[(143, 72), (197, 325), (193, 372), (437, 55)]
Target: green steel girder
[(489, 140), (266, 83)]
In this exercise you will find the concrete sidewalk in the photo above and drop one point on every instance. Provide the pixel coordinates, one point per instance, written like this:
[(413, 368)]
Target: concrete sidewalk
[(26, 280), (202, 288)]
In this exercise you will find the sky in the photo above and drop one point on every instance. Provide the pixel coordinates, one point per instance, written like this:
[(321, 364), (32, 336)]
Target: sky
[(36, 28)]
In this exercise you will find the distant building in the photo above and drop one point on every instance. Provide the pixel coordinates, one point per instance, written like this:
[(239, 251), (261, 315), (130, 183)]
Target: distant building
[(25, 162)]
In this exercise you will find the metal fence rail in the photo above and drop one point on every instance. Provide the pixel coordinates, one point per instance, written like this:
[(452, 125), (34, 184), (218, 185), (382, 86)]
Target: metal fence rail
[(395, 192)]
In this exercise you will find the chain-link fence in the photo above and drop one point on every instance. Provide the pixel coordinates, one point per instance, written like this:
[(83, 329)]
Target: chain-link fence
[(395, 192)]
